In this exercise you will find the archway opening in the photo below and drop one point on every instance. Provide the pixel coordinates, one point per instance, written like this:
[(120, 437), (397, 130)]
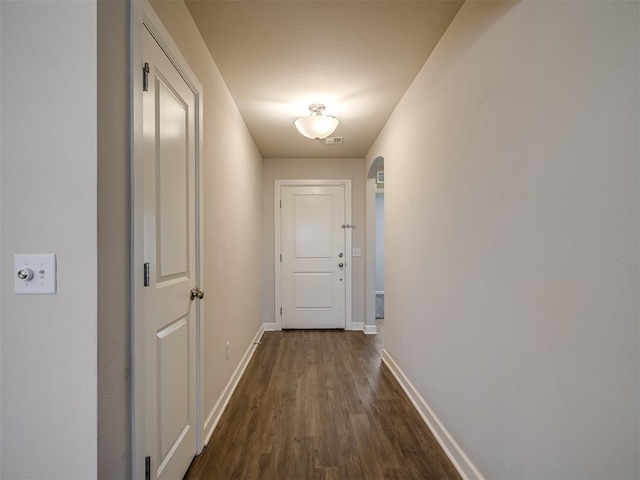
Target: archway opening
[(375, 247)]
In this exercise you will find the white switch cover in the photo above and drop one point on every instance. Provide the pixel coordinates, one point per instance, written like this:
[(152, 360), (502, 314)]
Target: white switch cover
[(35, 274), (356, 252)]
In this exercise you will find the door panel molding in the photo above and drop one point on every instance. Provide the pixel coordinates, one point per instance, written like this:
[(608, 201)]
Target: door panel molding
[(277, 191), (144, 19)]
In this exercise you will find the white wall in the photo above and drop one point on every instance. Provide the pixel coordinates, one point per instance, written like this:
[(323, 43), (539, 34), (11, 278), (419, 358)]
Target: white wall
[(48, 202), (313, 168), (512, 237), (232, 212), (379, 243)]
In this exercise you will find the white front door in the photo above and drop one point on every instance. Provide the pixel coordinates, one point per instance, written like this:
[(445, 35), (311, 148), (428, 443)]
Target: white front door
[(314, 256), (169, 126)]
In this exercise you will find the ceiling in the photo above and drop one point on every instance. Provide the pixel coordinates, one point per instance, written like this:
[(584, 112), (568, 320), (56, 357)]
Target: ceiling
[(356, 57)]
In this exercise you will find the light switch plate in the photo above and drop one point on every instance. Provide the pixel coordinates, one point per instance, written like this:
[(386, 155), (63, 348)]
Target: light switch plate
[(38, 272), (356, 252)]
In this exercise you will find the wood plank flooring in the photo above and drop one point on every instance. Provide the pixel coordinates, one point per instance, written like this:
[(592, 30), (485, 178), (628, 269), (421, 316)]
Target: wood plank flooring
[(320, 405)]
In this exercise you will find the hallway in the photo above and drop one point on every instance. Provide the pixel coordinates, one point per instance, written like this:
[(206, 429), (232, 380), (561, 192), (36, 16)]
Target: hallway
[(512, 242), (320, 405)]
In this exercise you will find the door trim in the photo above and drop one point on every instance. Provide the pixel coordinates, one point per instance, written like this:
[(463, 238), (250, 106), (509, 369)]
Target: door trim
[(277, 193), (143, 17), (370, 241)]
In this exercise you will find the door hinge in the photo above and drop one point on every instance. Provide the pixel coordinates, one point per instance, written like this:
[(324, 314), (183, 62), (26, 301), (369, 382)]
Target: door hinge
[(145, 77), (280, 258), (146, 275), (280, 311), (147, 468), (280, 203)]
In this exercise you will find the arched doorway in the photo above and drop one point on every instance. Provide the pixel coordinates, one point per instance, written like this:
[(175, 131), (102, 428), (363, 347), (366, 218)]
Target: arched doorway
[(374, 192)]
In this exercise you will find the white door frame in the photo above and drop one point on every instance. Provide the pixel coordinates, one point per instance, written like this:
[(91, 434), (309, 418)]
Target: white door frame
[(277, 187), (370, 242), (144, 18)]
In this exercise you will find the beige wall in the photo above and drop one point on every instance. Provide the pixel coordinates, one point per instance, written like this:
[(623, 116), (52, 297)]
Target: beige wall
[(114, 343), (232, 213), (312, 168), (48, 202), (511, 210)]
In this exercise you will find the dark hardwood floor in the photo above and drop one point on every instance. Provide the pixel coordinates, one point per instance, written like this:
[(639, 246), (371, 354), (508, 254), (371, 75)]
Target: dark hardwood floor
[(320, 405)]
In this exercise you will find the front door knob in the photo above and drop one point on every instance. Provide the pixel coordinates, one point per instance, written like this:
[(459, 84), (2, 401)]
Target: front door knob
[(197, 292), (341, 264)]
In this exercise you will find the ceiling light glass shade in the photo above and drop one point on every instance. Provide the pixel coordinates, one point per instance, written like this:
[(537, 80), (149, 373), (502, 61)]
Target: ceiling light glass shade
[(317, 125)]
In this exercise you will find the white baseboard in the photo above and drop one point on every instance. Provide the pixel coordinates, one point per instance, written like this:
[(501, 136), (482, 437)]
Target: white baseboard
[(216, 412), (355, 326), (465, 468), (271, 327), (370, 329)]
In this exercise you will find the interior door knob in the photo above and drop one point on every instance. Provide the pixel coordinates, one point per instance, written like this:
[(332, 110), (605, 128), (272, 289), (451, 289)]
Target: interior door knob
[(197, 293), (341, 264)]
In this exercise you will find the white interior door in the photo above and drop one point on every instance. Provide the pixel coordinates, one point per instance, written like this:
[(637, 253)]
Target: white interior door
[(169, 126), (313, 257)]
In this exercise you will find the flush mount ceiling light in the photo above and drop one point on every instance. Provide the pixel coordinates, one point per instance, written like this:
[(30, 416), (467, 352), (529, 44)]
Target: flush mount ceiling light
[(317, 125)]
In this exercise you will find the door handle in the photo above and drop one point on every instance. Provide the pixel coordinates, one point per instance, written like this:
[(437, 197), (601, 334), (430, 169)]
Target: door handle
[(197, 293), (341, 264)]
